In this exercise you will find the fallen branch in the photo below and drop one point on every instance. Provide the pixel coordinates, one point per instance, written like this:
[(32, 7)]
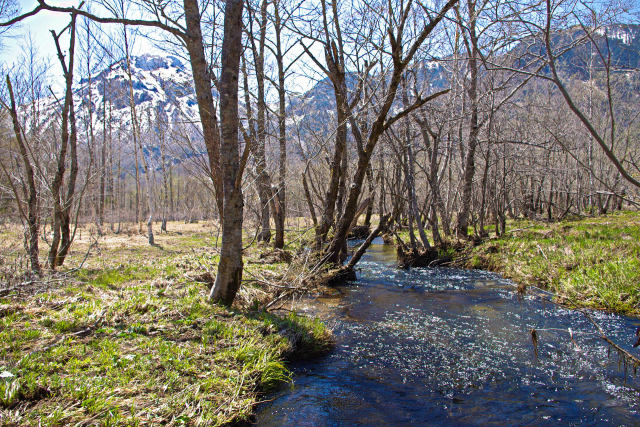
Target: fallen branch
[(364, 246), (22, 287), (359, 211), (519, 229), (320, 263), (266, 283), (628, 355), (282, 296)]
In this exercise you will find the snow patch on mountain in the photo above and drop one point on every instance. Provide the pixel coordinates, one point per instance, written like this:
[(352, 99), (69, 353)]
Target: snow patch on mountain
[(626, 34)]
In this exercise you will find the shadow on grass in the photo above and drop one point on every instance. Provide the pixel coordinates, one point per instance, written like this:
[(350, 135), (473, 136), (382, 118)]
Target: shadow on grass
[(308, 337)]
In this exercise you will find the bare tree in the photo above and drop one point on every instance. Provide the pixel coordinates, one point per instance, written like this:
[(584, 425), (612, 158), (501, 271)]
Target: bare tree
[(30, 192), (280, 205), (263, 179), (229, 275), (63, 203), (400, 61)]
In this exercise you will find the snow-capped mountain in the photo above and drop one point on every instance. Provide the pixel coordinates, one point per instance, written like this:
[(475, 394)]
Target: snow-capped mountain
[(620, 43), (314, 110), (164, 85), (164, 96), (626, 34), (164, 100), (162, 92)]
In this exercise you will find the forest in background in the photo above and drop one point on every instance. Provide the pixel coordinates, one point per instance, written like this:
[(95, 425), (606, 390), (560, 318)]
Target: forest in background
[(446, 119)]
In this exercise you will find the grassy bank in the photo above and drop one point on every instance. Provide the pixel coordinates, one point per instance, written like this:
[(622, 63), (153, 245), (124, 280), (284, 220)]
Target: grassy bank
[(589, 262), (130, 339)]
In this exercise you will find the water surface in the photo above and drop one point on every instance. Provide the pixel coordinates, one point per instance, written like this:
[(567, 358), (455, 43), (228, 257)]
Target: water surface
[(447, 346)]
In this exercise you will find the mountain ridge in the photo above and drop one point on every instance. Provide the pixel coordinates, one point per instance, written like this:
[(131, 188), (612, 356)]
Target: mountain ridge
[(163, 89)]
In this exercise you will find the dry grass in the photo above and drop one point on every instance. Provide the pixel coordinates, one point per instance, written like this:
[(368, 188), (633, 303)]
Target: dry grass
[(130, 338)]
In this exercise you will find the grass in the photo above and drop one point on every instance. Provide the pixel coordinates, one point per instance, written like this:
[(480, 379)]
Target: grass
[(131, 339), (589, 262)]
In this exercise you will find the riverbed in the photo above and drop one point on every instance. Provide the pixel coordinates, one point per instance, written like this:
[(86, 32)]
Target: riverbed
[(443, 346)]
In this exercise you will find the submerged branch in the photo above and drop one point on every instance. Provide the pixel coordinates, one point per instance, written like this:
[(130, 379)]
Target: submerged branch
[(624, 352)]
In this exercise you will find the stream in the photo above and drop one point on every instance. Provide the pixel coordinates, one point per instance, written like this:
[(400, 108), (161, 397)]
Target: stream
[(445, 346)]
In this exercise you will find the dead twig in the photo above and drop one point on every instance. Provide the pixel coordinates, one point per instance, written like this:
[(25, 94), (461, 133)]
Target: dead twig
[(542, 252), (264, 282), (519, 229), (282, 296), (628, 355)]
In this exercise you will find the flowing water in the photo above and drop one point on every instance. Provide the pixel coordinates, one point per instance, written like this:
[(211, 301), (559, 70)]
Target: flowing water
[(447, 346)]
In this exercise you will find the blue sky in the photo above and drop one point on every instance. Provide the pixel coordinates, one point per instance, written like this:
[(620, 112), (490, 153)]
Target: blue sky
[(38, 27)]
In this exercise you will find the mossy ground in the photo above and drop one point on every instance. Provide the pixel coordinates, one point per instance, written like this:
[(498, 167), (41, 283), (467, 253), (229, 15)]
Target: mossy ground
[(590, 262), (131, 339)]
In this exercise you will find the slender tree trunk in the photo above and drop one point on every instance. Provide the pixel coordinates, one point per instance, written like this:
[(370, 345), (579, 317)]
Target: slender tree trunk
[(307, 195), (414, 199), (372, 194), (103, 160), (149, 181), (112, 190), (472, 92), (65, 225), (229, 274), (264, 181), (280, 197), (206, 108), (165, 184), (62, 206), (135, 130), (329, 210), (342, 183), (409, 169), (33, 224), (483, 196)]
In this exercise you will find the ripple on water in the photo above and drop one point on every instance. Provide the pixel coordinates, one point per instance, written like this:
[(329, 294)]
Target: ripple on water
[(445, 345)]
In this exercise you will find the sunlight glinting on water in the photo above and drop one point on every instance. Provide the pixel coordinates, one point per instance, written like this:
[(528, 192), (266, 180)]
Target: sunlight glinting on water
[(442, 345)]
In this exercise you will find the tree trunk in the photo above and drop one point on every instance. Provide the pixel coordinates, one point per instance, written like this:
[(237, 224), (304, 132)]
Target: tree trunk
[(229, 275), (280, 198), (103, 160), (307, 195), (62, 204), (149, 182), (65, 225), (328, 212), (263, 181), (469, 169), (32, 204), (206, 108), (165, 185)]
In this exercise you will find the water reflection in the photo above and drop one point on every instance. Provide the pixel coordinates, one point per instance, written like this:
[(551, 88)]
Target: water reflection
[(443, 346)]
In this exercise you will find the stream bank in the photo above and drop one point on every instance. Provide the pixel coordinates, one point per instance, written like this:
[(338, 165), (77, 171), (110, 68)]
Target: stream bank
[(591, 262)]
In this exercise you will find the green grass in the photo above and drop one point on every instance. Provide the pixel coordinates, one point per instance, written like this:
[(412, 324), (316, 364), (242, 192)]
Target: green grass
[(138, 343), (112, 277), (590, 262)]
